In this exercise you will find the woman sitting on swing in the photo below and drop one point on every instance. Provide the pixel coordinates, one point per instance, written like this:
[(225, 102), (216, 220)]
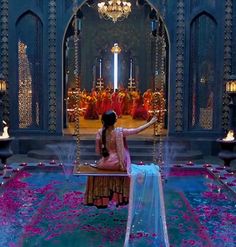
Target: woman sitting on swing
[(111, 145)]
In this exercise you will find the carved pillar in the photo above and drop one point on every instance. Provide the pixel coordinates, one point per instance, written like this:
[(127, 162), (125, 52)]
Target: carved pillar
[(52, 65), (164, 3), (4, 53), (180, 36), (227, 60)]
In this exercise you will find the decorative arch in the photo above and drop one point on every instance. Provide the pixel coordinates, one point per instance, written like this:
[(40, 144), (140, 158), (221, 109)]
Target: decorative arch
[(29, 12), (159, 8), (201, 12), (94, 61), (29, 33), (156, 5), (203, 80)]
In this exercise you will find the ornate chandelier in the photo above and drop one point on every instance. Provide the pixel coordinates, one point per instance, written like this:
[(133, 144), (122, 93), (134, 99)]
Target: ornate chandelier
[(115, 10)]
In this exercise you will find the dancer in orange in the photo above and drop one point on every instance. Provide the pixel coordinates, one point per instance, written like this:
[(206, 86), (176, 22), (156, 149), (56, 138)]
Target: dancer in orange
[(116, 103), (99, 102), (106, 101), (147, 100), (91, 111), (139, 111)]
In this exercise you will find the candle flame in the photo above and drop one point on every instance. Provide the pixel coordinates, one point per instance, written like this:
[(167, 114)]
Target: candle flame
[(5, 131), (230, 136)]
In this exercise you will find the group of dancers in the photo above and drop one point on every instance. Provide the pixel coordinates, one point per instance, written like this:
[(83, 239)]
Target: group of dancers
[(122, 101)]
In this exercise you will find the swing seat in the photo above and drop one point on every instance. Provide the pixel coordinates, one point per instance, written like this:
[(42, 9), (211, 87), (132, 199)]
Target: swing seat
[(91, 170), (104, 185)]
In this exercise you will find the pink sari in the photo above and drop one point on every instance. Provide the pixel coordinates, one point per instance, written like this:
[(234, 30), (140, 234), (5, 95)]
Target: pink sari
[(100, 190), (119, 157)]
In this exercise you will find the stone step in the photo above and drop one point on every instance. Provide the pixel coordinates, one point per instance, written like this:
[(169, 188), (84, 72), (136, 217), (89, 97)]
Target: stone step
[(169, 144), (92, 143), (141, 147), (23, 146), (144, 147), (42, 154), (47, 154), (188, 156)]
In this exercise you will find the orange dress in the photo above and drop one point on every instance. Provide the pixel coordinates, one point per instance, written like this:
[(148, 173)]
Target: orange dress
[(147, 100), (106, 102), (91, 111), (116, 103), (139, 111)]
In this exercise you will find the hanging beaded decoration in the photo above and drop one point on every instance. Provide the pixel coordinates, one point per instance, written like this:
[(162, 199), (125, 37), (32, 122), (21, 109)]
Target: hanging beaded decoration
[(77, 81), (158, 96)]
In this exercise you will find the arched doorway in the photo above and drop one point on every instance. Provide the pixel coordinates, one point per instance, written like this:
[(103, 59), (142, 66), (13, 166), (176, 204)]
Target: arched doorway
[(143, 63)]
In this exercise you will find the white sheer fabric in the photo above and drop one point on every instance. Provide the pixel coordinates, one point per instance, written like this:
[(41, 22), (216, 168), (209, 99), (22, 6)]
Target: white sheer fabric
[(146, 225)]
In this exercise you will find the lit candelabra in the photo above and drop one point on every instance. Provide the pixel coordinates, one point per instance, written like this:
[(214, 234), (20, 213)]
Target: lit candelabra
[(100, 82), (131, 83)]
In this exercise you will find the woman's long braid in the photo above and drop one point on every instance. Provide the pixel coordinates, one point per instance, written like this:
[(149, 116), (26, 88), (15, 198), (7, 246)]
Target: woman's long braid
[(104, 148), (104, 136), (108, 119)]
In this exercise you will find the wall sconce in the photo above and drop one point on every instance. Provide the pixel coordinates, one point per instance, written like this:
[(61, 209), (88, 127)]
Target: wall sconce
[(231, 84), (203, 80), (231, 90), (3, 84), (3, 88)]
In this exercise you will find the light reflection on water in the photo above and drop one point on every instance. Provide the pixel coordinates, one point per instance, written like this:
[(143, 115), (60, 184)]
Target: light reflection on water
[(40, 208)]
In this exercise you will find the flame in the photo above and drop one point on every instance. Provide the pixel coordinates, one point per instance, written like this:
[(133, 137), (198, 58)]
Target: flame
[(230, 136), (5, 134)]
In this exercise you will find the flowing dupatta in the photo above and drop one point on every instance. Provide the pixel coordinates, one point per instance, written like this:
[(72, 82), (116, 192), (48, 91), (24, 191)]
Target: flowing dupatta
[(146, 224)]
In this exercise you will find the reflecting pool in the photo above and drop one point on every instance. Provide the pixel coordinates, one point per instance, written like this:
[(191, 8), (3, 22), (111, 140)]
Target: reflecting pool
[(39, 207)]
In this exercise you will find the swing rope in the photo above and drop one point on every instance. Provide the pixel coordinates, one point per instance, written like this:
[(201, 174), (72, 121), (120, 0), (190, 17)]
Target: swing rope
[(160, 54), (77, 82)]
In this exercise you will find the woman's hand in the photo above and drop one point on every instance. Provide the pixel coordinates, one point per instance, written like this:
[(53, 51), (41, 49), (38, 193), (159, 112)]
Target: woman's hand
[(153, 120), (146, 125)]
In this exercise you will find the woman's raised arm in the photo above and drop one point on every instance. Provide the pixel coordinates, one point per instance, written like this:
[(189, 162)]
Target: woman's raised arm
[(134, 131)]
